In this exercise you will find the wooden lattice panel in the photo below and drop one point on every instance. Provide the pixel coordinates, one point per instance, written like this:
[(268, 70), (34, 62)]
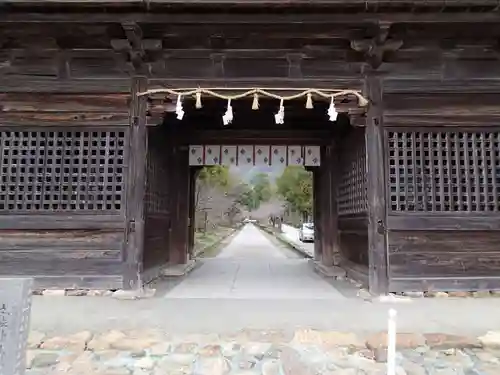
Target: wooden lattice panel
[(47, 170), (444, 171), (351, 191)]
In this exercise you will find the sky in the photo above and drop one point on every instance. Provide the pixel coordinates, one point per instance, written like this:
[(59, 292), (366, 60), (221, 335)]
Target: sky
[(247, 172)]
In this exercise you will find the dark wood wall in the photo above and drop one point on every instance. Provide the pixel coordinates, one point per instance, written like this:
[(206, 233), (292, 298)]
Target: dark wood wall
[(352, 202), (63, 170)]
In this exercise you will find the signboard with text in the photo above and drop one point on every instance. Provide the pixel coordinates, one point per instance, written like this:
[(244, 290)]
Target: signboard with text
[(15, 306)]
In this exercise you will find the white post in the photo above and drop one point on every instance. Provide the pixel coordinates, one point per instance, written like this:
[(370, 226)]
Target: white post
[(391, 343)]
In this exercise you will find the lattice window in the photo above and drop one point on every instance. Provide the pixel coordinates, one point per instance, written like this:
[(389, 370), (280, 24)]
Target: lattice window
[(156, 200), (351, 192), (62, 170), (444, 171)]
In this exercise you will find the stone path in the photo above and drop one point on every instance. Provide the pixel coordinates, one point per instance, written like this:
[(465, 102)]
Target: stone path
[(252, 267), (252, 244), (251, 352), (292, 234)]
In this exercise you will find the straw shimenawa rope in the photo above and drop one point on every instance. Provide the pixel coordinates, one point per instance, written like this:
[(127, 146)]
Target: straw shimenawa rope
[(329, 94)]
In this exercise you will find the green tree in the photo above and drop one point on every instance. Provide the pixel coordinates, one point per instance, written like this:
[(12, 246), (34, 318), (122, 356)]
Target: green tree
[(295, 186), (216, 176), (247, 198), (261, 187), (216, 196)]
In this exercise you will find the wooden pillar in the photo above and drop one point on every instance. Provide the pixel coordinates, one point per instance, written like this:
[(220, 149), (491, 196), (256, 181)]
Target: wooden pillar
[(179, 203), (184, 196), (136, 186), (192, 209), (329, 238), (377, 236), (317, 200)]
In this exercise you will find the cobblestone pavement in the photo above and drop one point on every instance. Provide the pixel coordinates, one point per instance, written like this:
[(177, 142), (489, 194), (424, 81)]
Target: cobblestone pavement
[(252, 352)]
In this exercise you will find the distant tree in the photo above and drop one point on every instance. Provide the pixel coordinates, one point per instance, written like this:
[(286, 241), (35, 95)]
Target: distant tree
[(262, 188), (216, 176), (267, 210), (295, 186), (247, 197), (216, 197)]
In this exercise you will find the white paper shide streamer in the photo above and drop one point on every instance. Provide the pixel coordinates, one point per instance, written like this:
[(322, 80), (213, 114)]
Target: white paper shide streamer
[(178, 108), (280, 116), (332, 112), (391, 343), (228, 116)]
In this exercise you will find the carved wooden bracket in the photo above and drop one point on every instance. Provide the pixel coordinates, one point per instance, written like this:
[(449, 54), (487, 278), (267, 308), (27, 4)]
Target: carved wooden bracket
[(134, 34), (375, 48), (134, 48)]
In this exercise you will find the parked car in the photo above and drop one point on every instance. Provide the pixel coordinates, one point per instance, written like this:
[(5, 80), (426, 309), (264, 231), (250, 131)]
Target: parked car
[(306, 232)]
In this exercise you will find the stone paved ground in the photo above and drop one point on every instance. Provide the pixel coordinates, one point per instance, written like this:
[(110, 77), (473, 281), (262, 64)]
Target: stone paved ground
[(253, 352)]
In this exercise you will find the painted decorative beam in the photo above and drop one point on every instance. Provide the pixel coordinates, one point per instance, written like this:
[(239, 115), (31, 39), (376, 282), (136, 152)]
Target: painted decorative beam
[(246, 155)]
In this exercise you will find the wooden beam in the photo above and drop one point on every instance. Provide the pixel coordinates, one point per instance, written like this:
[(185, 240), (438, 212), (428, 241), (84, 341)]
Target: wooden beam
[(34, 84), (298, 18), (435, 86), (122, 85), (63, 110), (362, 5), (335, 56), (466, 122), (261, 82), (64, 103), (42, 85), (76, 118), (269, 136), (444, 103), (377, 235), (329, 55), (136, 187)]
